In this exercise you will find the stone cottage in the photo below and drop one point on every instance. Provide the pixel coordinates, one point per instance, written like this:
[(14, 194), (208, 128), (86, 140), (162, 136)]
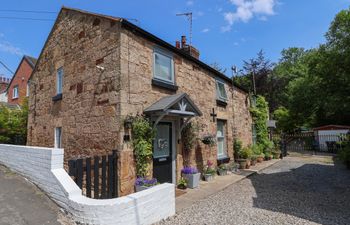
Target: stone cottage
[(94, 71)]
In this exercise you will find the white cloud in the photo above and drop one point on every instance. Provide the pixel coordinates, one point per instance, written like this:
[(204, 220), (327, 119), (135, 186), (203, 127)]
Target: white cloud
[(9, 48), (205, 30), (247, 9), (189, 2)]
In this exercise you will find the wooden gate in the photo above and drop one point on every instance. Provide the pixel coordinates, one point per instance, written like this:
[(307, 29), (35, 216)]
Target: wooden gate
[(97, 176)]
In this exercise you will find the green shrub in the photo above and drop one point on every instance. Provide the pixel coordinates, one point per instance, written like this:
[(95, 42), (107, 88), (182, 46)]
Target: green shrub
[(142, 140), (245, 153)]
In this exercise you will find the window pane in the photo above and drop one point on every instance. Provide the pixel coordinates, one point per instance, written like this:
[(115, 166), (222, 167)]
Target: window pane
[(59, 80), (221, 90), (220, 129), (220, 136), (163, 67), (58, 136), (221, 147), (162, 141)]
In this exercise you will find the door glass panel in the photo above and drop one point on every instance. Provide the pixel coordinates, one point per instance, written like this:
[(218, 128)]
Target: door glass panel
[(162, 141)]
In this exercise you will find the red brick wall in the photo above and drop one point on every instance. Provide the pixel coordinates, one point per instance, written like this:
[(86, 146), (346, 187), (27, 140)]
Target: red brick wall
[(21, 79)]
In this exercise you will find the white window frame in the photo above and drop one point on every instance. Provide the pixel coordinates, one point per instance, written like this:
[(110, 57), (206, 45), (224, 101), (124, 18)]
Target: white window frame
[(166, 54), (59, 80), (15, 93), (27, 92), (218, 93), (58, 137), (223, 138)]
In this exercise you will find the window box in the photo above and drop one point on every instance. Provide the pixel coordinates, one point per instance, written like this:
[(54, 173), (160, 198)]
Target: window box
[(57, 97), (164, 85), (221, 103)]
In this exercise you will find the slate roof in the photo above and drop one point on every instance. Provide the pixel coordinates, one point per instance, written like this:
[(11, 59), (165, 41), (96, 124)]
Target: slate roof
[(136, 29), (167, 102), (10, 106)]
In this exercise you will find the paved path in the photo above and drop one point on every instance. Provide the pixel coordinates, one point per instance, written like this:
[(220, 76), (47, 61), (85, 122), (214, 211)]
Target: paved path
[(296, 190), (23, 203)]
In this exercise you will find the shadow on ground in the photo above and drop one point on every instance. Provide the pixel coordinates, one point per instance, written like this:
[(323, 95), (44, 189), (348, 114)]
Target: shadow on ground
[(316, 192)]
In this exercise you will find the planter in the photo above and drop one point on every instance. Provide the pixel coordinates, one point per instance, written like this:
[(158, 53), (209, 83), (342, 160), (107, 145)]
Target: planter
[(242, 163), (276, 155), (260, 159), (208, 177), (141, 188), (222, 172), (192, 179), (248, 164), (253, 162)]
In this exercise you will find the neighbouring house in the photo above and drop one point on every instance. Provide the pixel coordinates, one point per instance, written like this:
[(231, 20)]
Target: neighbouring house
[(18, 88), (328, 135), (4, 82), (94, 71)]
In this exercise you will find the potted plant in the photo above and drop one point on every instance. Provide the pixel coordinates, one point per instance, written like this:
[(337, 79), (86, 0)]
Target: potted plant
[(142, 183), (208, 171), (276, 154), (233, 167), (268, 155), (244, 154), (260, 158), (209, 140), (222, 169), (182, 184), (253, 159), (192, 176)]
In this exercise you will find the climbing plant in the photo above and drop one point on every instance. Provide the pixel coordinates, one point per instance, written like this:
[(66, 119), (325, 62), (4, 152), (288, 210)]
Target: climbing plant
[(142, 138), (260, 115), (189, 135)]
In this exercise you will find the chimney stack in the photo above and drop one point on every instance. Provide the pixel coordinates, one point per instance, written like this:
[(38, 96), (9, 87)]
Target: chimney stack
[(183, 42), (177, 44)]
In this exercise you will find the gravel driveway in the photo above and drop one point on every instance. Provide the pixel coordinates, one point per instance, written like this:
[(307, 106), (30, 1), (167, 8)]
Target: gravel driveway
[(296, 190)]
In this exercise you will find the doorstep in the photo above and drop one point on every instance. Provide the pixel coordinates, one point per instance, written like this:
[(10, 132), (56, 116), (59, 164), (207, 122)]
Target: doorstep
[(206, 189)]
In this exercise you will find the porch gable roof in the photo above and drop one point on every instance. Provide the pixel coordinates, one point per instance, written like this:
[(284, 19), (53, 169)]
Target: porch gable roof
[(165, 104)]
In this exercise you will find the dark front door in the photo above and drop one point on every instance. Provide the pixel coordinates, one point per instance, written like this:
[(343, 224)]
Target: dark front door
[(162, 153)]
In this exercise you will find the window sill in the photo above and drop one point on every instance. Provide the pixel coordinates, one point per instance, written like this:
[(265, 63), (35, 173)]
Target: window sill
[(223, 159), (57, 97), (14, 98), (221, 103), (164, 85)]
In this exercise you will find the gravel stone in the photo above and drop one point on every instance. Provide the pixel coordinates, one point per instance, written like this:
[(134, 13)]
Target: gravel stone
[(296, 190)]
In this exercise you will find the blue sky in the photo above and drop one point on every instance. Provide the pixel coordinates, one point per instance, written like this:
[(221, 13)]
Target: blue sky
[(225, 31)]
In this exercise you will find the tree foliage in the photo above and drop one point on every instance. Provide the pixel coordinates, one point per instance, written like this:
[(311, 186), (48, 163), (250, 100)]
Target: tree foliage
[(308, 88), (13, 125)]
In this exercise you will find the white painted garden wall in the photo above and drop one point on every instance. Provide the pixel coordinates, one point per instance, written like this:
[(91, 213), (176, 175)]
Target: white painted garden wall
[(44, 167)]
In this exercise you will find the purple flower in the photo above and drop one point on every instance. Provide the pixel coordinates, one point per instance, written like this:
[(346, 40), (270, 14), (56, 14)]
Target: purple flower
[(141, 181), (189, 170)]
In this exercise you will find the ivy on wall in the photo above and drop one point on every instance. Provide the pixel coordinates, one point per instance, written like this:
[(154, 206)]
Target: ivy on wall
[(260, 115)]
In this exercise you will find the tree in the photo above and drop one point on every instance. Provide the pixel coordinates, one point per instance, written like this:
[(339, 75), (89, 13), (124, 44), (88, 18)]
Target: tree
[(13, 125)]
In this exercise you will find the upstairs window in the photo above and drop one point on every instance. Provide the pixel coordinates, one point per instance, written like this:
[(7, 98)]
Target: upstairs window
[(220, 91), (163, 68), (59, 80), (15, 92)]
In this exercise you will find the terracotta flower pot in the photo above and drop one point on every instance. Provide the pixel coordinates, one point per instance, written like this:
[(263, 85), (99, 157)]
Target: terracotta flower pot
[(260, 159), (248, 164), (253, 162)]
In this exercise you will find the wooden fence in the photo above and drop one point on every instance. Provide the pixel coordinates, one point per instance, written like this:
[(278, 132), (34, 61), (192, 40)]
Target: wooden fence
[(97, 176)]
